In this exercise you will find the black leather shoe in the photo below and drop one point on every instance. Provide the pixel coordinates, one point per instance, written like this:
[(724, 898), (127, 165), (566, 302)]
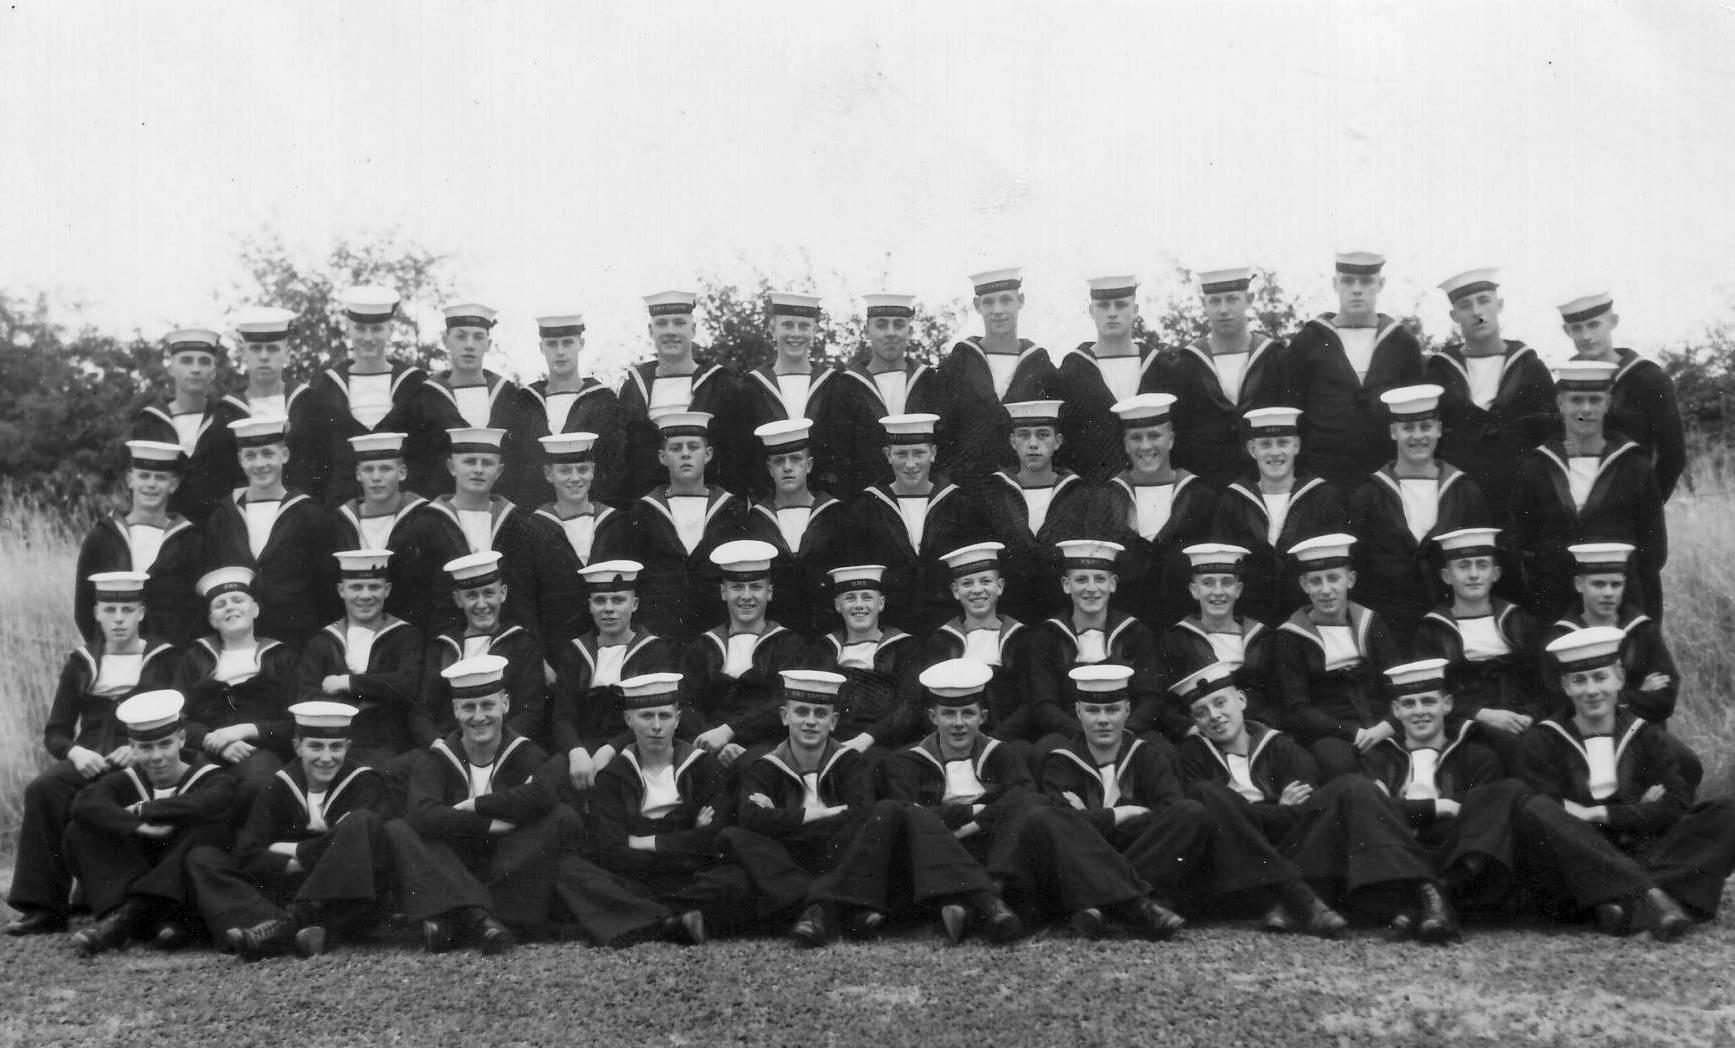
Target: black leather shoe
[(262, 940), (1613, 919), (999, 924), (865, 925), (1277, 920), (107, 933), (310, 941), (687, 928), (1659, 914), (1087, 923), (1153, 920), (1311, 913), (437, 935), (811, 930), (37, 922), (492, 937), (1438, 923)]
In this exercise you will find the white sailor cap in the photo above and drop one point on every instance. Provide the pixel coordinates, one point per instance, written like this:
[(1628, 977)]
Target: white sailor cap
[(1414, 678), (155, 455), (264, 324), (1102, 682), (1360, 263), (1144, 410), (1469, 542), (886, 305), (744, 560), (1600, 558), (857, 577), (956, 682), (978, 556), (476, 676), (1585, 307), (321, 719), (472, 440), (1272, 422), (474, 570), (790, 304), (195, 340), (1107, 289), (363, 563), (1323, 551), (213, 584), (373, 446), (1216, 558), (1413, 403), (1204, 682), (682, 423), (990, 281), (1584, 376), (567, 447), (1470, 282), (1218, 281), (119, 587), (469, 314), (370, 304), (785, 435), (258, 431), (917, 428), (1587, 649), (811, 686), (665, 303), (152, 715), (1029, 414), (1089, 554), (560, 325), (611, 576), (650, 690)]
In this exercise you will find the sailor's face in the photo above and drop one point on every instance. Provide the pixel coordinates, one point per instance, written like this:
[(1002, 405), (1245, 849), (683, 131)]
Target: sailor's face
[(368, 342), (1149, 447), (746, 600), (1102, 722), (685, 457), (191, 370), (364, 600), (561, 355), (1035, 446), (1358, 293), (1423, 715), (1471, 578), (233, 613), (1328, 589), (1216, 593), (481, 606), (1603, 593), (1275, 456), (979, 592), (654, 728), (1220, 715), (380, 479), (672, 334), (321, 758), (264, 361), (1594, 693), (789, 471), (1227, 311), (861, 609), (957, 726), (613, 611), (151, 488), (474, 472), (118, 621), (481, 718), (1582, 412), (159, 757), (1416, 441), (1089, 588), (466, 347), (571, 481), (793, 336), (809, 723), (1000, 311), (911, 463), (1478, 315), (264, 465), (1594, 338), (1114, 317)]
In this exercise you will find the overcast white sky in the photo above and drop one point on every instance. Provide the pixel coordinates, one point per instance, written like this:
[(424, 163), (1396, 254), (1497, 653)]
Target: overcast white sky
[(574, 156)]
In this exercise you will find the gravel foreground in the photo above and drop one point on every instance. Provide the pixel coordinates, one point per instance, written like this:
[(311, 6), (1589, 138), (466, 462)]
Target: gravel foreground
[(1223, 984)]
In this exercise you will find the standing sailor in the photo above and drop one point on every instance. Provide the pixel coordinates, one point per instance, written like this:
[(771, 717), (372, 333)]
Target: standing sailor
[(882, 381), (264, 353), (196, 420), (1158, 508), (465, 395), (792, 386), (565, 535), (564, 402), (676, 382), (1642, 398), (808, 529), (1219, 377), (1098, 375), (149, 539)]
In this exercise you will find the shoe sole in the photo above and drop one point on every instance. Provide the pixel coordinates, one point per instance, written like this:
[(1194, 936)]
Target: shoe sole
[(310, 942), (954, 919)]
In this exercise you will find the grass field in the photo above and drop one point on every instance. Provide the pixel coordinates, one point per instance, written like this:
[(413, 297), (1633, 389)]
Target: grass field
[(1224, 984)]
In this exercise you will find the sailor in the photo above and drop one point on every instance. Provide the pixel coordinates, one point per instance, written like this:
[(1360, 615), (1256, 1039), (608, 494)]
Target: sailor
[(567, 401), (464, 396), (195, 419), (1160, 509), (150, 539), (1098, 375), (1642, 401), (883, 380), (676, 382)]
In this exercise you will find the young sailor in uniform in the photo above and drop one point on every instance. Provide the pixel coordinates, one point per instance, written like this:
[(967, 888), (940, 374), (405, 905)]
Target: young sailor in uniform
[(482, 521), (133, 828), (480, 591), (879, 701), (387, 516), (149, 539), (807, 527), (981, 374), (284, 537), (1646, 858), (1341, 365), (86, 740), (465, 396), (1329, 659), (906, 524), (565, 402), (1217, 631), (196, 420), (365, 394), (1641, 398), (674, 529), (1396, 512), (309, 864), (1499, 399), (1272, 508), (792, 386), (1097, 376), (980, 632), (263, 350), (565, 535), (1221, 376), (882, 381), (676, 382), (1158, 508)]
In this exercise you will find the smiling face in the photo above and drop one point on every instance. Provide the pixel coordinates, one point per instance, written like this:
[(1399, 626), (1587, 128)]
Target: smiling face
[(482, 718), (888, 339), (1089, 588), (861, 609), (1102, 722), (474, 472), (912, 464), (653, 728), (1149, 447), (160, 759), (481, 606), (1478, 315), (1220, 716), (1416, 441), (1227, 313), (118, 621), (789, 471), (809, 723), (381, 479), (1275, 456), (746, 601), (957, 727), (793, 336), (233, 614), (1594, 693), (561, 355), (1471, 578), (613, 611), (1594, 338), (368, 343), (1328, 589), (364, 600), (672, 335), (263, 362), (999, 311), (320, 759), (1114, 317), (151, 488), (1357, 295), (1602, 593), (1216, 593), (465, 348), (1423, 716), (571, 481), (264, 465), (1035, 447), (978, 593), (685, 459), (1582, 413), (191, 370)]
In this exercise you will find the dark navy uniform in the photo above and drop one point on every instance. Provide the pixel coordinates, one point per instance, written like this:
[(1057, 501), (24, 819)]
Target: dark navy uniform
[(1398, 575), (1091, 432), (715, 391), (594, 409), (678, 589), (850, 430), (321, 461), (553, 588), (387, 692), (1344, 434), (434, 409), (174, 610), (212, 468), (917, 582), (294, 576), (1269, 578), (1153, 571), (1487, 442), (1325, 706), (1208, 435), (975, 430)]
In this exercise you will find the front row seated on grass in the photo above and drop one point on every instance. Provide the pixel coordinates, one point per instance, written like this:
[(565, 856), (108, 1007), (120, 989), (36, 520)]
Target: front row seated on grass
[(802, 838)]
